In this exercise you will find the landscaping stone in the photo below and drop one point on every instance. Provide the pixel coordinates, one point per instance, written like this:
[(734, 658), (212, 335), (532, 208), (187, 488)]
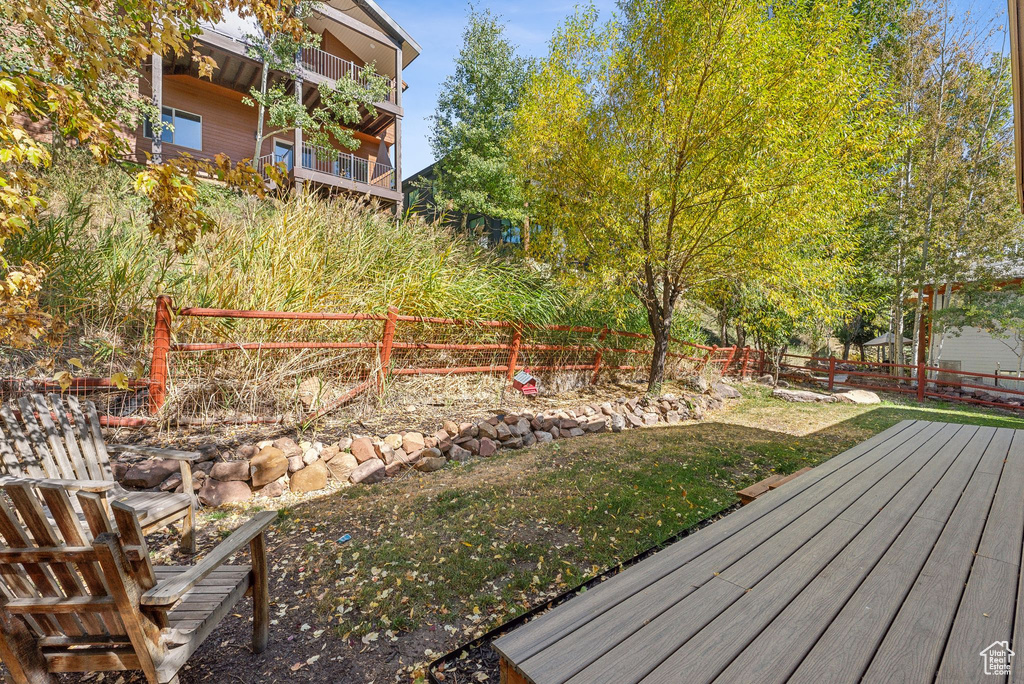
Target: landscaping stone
[(618, 423), (766, 379), (369, 472), (362, 449), (458, 454), (287, 446), (859, 397), (272, 490), (568, 424), (118, 470), (543, 437), (469, 430), (577, 432), (394, 441), (651, 418), (147, 474), (672, 417), (341, 466), (450, 427), (487, 446), (295, 464), (528, 439), (344, 444), (513, 443), (230, 471), (430, 460), (595, 425), (510, 419), (412, 442), (698, 383), (555, 432), (487, 430), (723, 391), (471, 444), (246, 451), (524, 427), (218, 493), (804, 396), (384, 451), (309, 479), (503, 431), (443, 440), (268, 465), (171, 483)]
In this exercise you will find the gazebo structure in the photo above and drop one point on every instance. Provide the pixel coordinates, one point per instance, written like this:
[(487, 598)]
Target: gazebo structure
[(882, 344)]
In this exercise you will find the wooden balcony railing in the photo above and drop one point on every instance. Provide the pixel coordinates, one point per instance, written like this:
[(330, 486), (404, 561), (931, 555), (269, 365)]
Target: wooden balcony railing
[(348, 166), (333, 67)]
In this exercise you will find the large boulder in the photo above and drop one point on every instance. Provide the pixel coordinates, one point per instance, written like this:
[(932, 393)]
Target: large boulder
[(309, 479), (723, 391), (268, 465), (858, 397), (150, 473), (369, 472), (217, 493), (230, 471), (804, 396), (363, 450)]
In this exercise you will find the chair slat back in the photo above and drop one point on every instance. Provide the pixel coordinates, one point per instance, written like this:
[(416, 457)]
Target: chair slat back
[(73, 585), (38, 439)]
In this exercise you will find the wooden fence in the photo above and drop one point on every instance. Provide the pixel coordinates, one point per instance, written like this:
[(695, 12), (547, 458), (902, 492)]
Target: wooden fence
[(920, 381), (611, 349)]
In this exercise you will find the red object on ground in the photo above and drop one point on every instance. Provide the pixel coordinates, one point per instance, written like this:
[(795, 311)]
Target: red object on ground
[(525, 383)]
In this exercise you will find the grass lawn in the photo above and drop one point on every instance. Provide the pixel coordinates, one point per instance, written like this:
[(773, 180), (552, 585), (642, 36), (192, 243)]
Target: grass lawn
[(438, 559)]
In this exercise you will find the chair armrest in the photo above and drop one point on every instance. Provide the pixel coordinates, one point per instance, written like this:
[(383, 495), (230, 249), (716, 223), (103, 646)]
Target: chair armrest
[(166, 593), (155, 452), (70, 485)]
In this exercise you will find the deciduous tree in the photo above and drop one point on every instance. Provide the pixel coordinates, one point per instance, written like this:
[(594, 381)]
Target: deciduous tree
[(701, 141)]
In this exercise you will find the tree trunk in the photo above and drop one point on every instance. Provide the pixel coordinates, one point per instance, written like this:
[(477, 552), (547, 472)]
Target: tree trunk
[(657, 375), (261, 113)]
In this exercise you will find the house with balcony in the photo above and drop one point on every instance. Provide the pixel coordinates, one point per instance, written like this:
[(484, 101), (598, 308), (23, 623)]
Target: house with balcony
[(208, 116)]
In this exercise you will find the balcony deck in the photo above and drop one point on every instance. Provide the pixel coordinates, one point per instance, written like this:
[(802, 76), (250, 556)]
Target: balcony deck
[(896, 561)]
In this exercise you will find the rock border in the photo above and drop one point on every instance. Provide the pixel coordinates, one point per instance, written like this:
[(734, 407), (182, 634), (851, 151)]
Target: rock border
[(272, 468)]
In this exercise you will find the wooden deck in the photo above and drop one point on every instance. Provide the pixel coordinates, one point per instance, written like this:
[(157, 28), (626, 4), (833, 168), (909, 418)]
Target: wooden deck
[(896, 561)]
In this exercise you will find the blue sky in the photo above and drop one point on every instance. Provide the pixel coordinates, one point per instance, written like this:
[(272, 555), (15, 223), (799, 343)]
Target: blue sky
[(437, 26)]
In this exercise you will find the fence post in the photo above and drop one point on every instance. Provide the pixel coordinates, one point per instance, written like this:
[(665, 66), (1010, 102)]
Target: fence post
[(513, 352), (922, 381), (831, 373), (746, 360), (728, 361), (598, 355), (161, 347), (387, 339)]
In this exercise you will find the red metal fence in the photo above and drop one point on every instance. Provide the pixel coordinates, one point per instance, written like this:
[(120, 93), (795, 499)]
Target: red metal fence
[(921, 381), (398, 352)]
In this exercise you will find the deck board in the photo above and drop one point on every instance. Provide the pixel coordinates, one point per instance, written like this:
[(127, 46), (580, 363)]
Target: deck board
[(810, 513), (885, 562)]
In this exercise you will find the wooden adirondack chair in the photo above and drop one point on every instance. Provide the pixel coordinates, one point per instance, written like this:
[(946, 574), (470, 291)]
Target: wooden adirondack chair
[(61, 441), (88, 600)]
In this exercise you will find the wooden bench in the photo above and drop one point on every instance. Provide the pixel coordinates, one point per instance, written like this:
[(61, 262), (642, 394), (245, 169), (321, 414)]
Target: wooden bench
[(87, 599), (769, 483), (59, 439)]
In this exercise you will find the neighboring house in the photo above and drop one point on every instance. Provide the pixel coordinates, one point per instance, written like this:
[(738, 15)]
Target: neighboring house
[(972, 349), (419, 199), (210, 118)]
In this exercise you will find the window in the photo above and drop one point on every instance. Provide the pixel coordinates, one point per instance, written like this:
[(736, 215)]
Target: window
[(283, 153), (180, 128)]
